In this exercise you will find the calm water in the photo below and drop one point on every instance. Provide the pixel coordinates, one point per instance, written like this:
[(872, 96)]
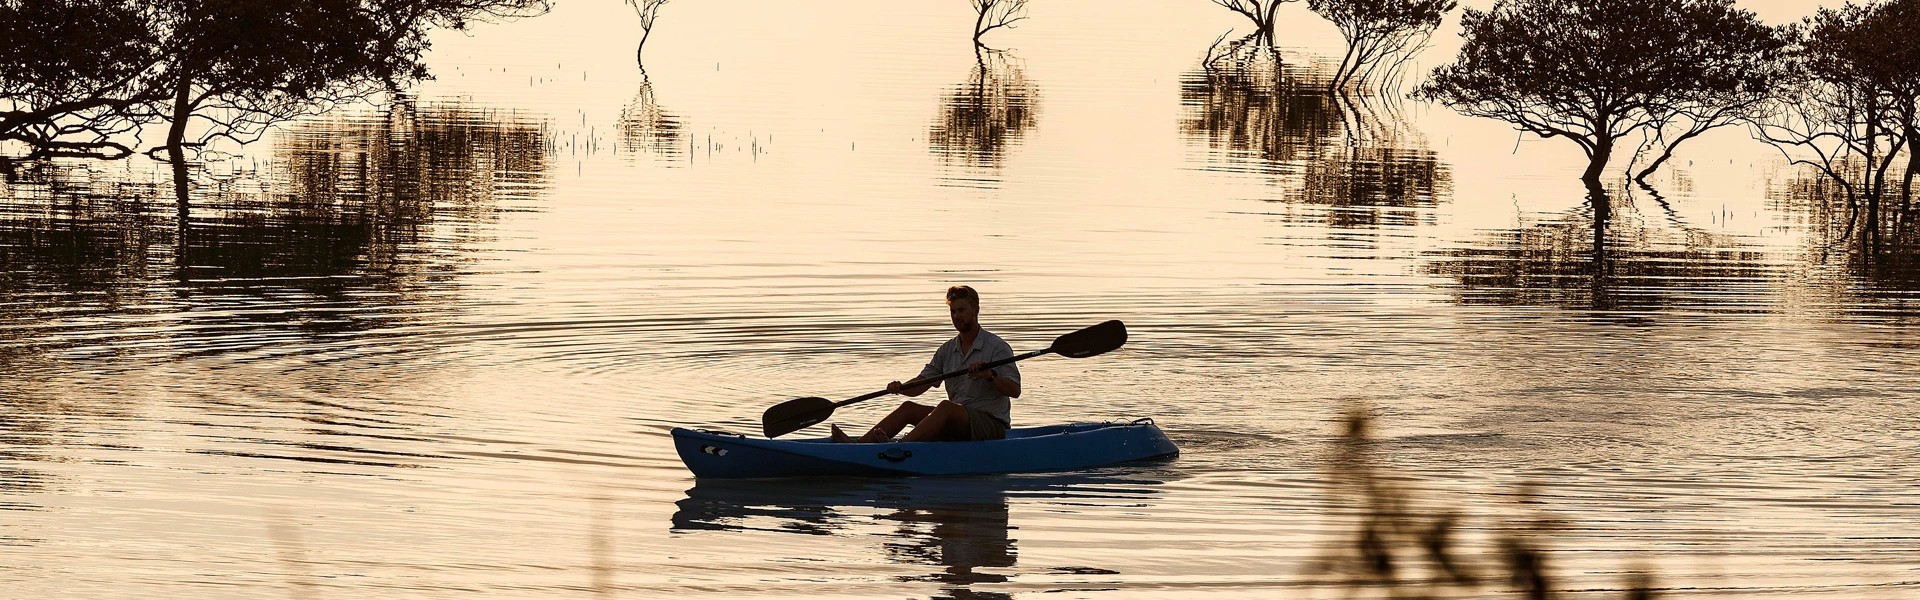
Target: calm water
[(433, 350)]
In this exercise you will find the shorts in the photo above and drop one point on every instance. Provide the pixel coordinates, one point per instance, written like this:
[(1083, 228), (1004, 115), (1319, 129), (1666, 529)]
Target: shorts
[(984, 426)]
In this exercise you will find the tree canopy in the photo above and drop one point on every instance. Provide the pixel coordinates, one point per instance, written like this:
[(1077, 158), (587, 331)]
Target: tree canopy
[(81, 77), (1380, 34), (1851, 102), (66, 92), (1596, 71)]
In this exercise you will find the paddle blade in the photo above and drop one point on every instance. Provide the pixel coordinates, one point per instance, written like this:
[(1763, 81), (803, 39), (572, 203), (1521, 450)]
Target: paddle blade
[(1099, 339), (794, 415)]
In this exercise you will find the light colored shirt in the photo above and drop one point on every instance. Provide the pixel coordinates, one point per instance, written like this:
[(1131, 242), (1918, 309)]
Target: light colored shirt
[(978, 394)]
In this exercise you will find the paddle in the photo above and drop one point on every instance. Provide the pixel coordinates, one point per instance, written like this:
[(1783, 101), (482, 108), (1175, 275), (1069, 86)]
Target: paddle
[(800, 413)]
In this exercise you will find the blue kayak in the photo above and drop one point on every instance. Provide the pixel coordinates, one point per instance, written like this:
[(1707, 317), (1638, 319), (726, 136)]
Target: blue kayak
[(1026, 449)]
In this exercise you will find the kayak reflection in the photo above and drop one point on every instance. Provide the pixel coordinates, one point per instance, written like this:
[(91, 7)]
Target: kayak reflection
[(960, 524)]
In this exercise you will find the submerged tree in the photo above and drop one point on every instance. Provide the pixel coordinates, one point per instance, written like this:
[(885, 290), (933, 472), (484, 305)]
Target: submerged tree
[(1382, 35), (648, 11), (1597, 71), (238, 66), (1852, 105), (1261, 12), (209, 69), (995, 14)]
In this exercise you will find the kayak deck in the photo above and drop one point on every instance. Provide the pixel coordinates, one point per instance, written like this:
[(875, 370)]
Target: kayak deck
[(1026, 449)]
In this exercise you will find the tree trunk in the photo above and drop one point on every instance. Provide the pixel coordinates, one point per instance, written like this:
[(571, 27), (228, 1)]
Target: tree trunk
[(1341, 75), (176, 141), (638, 57), (1667, 153), (1913, 167), (1876, 185), (1597, 160), (1267, 25), (980, 22), (1602, 274), (1602, 206)]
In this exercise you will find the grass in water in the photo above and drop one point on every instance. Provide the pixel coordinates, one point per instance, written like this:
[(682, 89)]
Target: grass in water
[(1404, 546)]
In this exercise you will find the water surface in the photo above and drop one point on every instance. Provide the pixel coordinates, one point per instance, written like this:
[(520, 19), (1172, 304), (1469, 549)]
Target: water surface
[(432, 349)]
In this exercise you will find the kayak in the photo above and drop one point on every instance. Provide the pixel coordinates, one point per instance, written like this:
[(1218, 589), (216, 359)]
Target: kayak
[(721, 455)]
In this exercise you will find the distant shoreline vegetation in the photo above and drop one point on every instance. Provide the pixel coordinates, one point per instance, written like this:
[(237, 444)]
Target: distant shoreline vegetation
[(86, 78), (1838, 92)]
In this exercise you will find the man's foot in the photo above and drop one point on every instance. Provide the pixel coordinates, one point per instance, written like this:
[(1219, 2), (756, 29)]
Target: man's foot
[(833, 431)]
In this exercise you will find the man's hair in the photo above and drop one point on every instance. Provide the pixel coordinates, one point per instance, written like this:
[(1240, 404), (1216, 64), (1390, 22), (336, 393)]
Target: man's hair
[(961, 292)]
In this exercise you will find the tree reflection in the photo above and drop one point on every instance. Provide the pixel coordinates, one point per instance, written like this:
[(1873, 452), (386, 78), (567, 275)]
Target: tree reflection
[(1258, 115), (1590, 261), (1256, 112), (1384, 178), (1878, 275), (355, 196), (645, 126), (979, 119), (71, 245), (356, 222)]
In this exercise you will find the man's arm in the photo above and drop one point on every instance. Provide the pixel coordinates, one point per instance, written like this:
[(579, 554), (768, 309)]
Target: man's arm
[(909, 392), (1007, 386)]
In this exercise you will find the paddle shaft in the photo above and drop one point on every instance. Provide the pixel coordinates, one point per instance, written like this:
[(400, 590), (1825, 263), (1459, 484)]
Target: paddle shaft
[(942, 377)]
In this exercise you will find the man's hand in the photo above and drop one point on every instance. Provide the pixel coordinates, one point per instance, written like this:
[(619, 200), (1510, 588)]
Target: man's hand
[(974, 371), (894, 387)]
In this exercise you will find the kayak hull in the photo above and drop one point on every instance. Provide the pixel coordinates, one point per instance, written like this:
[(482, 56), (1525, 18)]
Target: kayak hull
[(1026, 450)]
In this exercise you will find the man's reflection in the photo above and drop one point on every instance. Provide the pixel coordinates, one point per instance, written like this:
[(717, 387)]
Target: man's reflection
[(962, 538), (960, 525)]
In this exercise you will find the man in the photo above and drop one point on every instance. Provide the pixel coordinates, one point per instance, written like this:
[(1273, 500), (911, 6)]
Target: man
[(977, 406)]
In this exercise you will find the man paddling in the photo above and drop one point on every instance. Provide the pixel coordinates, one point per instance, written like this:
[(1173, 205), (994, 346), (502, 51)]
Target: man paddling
[(977, 407)]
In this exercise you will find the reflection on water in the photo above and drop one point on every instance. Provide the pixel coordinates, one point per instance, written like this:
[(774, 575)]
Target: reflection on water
[(981, 118), (1383, 175), (430, 386), (1878, 276), (1259, 115), (645, 126), (1624, 263), (960, 525), (331, 236), (26, 430), (1354, 158)]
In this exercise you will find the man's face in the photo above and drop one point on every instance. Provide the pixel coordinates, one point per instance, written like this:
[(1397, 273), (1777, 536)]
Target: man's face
[(966, 314)]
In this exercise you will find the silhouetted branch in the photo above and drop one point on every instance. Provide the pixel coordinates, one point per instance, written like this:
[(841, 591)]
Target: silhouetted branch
[(1379, 32), (1261, 12), (1240, 55), (649, 10), (64, 91), (995, 14)]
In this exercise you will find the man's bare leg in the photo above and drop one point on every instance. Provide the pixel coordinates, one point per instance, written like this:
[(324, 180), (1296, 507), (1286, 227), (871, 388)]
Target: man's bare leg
[(908, 413), (948, 421)]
